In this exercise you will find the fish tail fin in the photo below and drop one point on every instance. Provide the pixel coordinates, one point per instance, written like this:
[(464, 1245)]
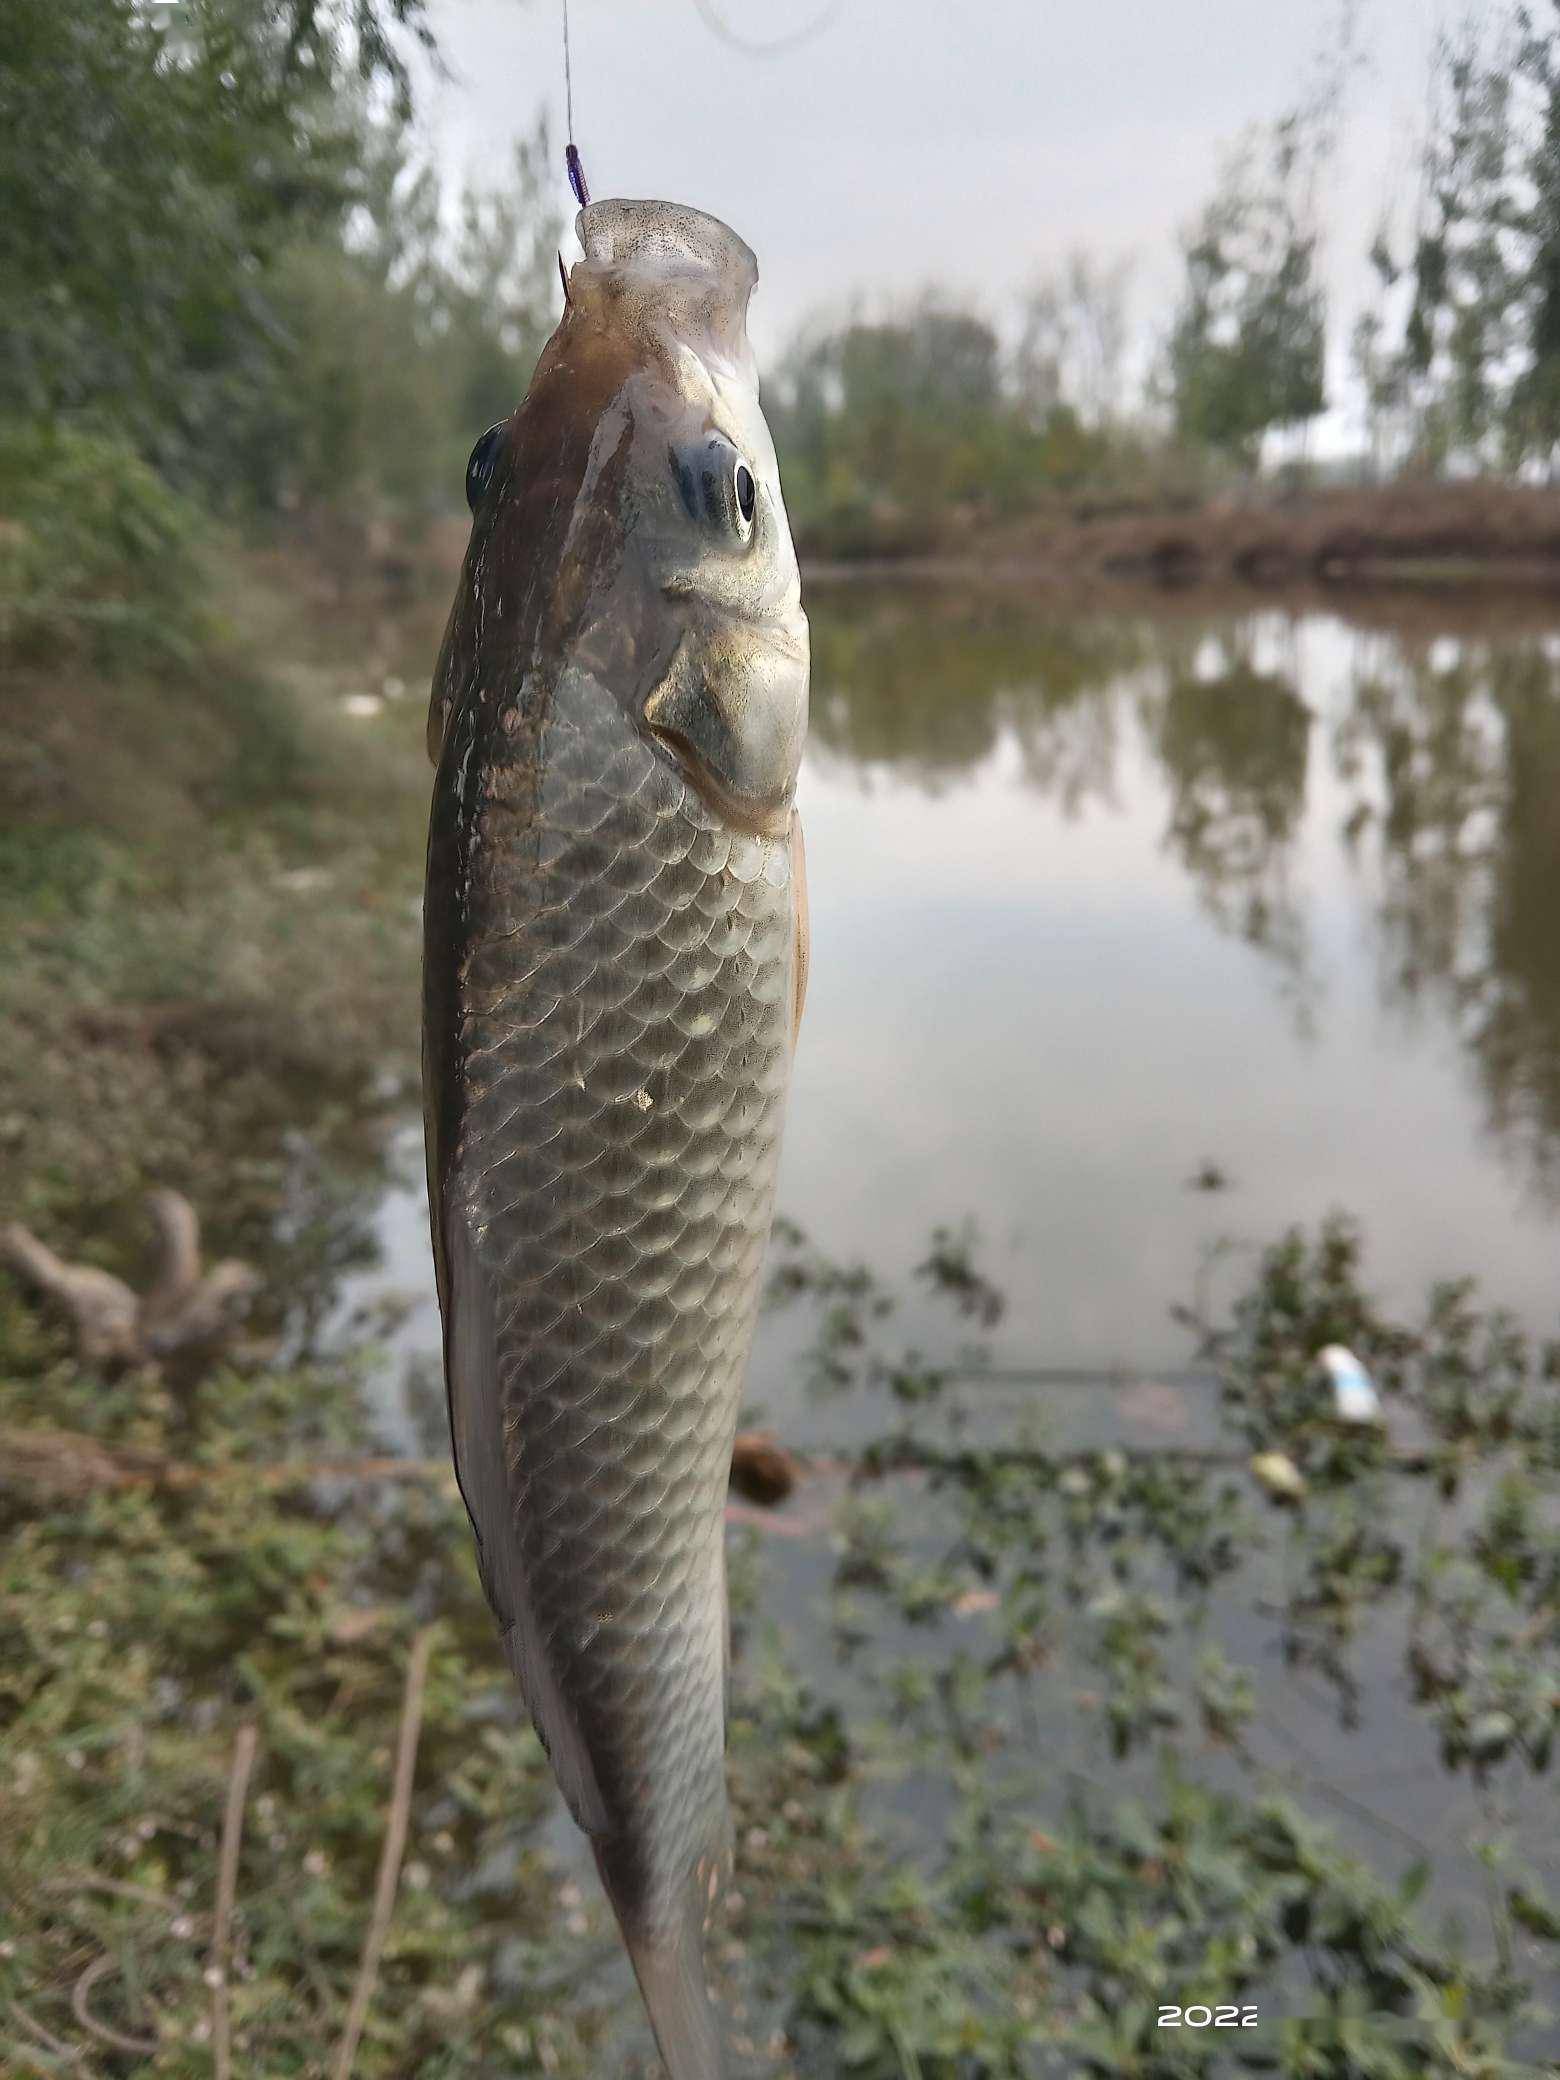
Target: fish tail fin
[(668, 1961)]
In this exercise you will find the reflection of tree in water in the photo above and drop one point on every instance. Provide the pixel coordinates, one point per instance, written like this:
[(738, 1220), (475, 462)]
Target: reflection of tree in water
[(1233, 744), (932, 685), (1457, 770), (1454, 770), (932, 689)]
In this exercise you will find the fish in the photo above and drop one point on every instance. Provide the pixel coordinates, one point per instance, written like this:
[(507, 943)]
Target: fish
[(615, 962)]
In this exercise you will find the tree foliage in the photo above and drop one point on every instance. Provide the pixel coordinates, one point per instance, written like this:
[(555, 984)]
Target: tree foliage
[(1247, 351), (1073, 344), (1461, 355), (227, 279), (152, 165), (898, 428), (405, 342)]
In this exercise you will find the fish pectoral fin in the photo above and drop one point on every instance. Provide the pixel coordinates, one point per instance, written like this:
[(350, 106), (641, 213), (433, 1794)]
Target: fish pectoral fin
[(477, 1437)]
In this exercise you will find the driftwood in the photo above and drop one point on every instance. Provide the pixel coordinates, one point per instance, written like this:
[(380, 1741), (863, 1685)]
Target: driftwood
[(185, 1313)]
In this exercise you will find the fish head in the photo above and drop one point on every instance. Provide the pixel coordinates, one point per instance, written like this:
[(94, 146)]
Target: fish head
[(630, 520)]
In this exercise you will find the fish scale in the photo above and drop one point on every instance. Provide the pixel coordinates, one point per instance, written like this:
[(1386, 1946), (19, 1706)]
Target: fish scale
[(623, 1049)]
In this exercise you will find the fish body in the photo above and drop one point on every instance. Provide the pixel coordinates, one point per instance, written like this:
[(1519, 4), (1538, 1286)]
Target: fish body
[(613, 968)]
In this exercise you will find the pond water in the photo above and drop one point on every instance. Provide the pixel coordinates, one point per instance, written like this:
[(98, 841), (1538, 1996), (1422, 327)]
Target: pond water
[(1138, 939)]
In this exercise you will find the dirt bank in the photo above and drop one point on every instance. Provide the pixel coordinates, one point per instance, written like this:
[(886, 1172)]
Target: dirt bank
[(1417, 535)]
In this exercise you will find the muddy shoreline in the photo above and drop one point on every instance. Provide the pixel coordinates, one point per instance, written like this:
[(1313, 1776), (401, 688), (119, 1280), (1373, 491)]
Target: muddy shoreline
[(1426, 538)]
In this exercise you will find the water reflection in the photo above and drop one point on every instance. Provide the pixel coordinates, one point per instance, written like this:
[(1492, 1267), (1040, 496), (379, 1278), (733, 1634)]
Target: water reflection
[(1233, 744), (1447, 754), (930, 688), (1454, 752)]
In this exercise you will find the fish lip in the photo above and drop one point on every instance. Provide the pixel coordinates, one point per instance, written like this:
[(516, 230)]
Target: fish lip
[(760, 816)]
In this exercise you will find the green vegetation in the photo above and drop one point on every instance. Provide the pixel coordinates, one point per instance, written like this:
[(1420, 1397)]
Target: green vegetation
[(918, 1894), (225, 281), (206, 879), (97, 551), (225, 275), (1463, 361), (1074, 1868), (1247, 352), (896, 433), (224, 260)]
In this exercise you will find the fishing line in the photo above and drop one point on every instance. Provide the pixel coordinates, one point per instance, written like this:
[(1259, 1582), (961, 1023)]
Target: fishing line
[(571, 156), (760, 47)]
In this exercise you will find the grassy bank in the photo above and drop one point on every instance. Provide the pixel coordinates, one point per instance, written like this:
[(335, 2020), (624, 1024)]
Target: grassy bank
[(208, 871)]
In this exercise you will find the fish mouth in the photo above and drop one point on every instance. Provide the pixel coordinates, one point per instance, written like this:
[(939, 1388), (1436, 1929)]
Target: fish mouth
[(665, 237), (661, 270)]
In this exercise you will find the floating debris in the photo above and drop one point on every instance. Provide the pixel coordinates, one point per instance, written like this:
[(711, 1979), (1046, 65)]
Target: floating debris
[(762, 1469), (1279, 1475), (1354, 1396)]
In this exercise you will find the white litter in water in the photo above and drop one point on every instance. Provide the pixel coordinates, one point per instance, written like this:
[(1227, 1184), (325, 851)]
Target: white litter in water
[(1355, 1399)]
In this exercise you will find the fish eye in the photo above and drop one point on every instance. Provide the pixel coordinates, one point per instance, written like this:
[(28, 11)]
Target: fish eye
[(717, 486), (484, 459)]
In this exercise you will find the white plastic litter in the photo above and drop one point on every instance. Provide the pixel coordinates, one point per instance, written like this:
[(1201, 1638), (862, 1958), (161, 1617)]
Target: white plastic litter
[(1354, 1395)]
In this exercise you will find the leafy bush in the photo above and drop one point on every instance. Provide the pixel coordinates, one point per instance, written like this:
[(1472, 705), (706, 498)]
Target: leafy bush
[(97, 553)]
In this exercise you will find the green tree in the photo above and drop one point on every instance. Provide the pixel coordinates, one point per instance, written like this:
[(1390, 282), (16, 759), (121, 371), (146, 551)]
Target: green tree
[(1470, 369), (1460, 327), (1533, 417), (406, 328), (1247, 352), (501, 286), (155, 161)]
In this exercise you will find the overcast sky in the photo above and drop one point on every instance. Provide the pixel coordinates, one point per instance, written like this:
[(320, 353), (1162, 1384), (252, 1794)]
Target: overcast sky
[(917, 141)]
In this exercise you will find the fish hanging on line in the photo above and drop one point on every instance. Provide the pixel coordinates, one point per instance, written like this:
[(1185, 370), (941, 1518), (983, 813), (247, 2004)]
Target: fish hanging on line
[(614, 964)]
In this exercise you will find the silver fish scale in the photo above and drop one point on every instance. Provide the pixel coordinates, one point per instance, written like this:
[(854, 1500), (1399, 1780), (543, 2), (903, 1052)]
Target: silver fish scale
[(625, 1046)]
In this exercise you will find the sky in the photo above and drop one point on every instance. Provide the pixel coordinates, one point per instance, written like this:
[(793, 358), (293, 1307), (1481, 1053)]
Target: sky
[(911, 142)]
